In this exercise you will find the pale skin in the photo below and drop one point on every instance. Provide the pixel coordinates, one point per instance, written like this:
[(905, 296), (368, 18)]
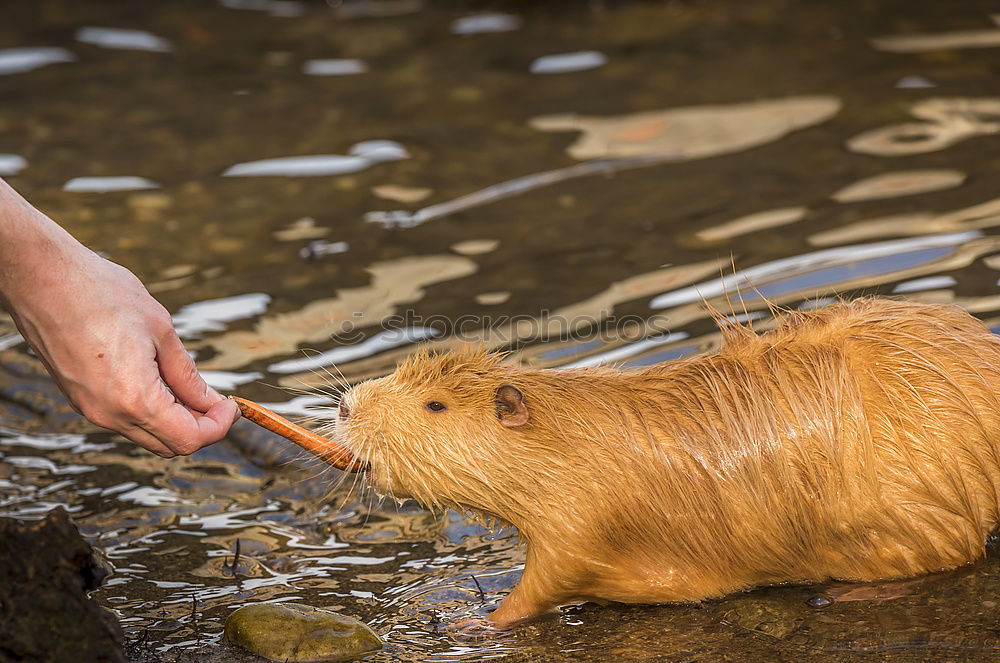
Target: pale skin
[(109, 345)]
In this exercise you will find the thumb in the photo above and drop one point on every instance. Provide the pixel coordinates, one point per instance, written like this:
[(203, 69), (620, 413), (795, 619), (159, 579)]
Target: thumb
[(181, 375)]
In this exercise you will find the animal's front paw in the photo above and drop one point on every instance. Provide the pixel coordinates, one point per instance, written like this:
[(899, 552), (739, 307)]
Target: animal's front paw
[(474, 629)]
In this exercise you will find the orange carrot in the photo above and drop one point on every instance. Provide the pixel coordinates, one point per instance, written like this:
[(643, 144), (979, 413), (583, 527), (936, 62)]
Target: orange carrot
[(326, 449)]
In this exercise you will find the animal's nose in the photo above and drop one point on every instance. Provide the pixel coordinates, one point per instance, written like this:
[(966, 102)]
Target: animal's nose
[(345, 412)]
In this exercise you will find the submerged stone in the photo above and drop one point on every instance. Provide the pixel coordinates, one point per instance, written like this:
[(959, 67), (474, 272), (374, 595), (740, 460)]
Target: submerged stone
[(765, 616), (299, 633)]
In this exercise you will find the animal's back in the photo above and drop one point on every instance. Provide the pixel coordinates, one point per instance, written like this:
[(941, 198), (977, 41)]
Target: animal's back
[(929, 381), (858, 442)]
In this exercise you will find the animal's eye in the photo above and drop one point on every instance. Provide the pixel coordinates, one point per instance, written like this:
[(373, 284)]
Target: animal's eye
[(435, 406)]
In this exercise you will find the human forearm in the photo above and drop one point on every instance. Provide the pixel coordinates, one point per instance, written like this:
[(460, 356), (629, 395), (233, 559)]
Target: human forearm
[(109, 345), (32, 247)]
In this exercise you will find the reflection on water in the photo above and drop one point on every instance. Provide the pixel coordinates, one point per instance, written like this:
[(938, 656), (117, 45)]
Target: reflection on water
[(11, 164), (752, 223), (914, 83), (674, 154), (229, 380), (334, 67), (392, 283), (833, 269), (18, 60), (286, 8), (392, 338), (360, 156), (691, 133), (485, 23), (193, 320), (565, 63), (636, 141), (892, 185), (981, 216), (401, 194), (926, 283), (132, 40), (947, 121), (943, 41), (105, 184)]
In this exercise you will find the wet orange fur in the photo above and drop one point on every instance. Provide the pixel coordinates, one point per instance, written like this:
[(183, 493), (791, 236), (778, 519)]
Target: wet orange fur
[(858, 442)]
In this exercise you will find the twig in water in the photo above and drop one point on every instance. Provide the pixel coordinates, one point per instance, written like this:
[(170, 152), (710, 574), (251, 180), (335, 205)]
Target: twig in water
[(482, 594)]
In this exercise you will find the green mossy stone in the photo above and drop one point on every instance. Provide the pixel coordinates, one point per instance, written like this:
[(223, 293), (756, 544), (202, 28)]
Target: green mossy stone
[(299, 633)]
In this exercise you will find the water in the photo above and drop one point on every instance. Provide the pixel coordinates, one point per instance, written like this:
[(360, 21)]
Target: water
[(429, 189)]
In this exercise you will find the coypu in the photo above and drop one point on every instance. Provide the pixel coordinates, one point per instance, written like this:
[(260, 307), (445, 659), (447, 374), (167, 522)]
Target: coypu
[(859, 442)]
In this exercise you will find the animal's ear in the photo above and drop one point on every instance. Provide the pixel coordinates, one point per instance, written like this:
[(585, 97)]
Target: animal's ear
[(511, 410)]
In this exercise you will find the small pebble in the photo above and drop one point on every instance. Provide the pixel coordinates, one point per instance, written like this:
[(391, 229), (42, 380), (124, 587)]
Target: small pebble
[(819, 602)]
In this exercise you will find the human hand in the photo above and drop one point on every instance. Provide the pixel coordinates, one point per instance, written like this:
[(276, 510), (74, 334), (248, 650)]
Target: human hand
[(113, 350)]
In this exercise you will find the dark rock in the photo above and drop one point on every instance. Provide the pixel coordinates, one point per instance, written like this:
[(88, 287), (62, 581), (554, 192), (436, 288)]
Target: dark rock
[(46, 569)]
